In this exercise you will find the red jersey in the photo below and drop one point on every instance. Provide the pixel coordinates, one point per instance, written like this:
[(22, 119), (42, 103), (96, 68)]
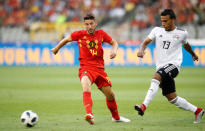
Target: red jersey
[(90, 47)]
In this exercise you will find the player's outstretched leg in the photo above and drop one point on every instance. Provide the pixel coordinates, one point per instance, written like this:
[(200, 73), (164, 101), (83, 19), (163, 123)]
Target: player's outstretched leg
[(141, 109), (184, 104), (89, 118), (198, 115)]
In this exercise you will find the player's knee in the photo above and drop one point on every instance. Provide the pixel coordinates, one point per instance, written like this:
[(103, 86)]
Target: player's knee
[(157, 77), (174, 100), (86, 89), (171, 97), (86, 86)]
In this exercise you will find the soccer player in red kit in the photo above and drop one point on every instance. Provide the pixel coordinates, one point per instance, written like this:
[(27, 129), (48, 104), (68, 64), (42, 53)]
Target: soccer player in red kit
[(92, 65)]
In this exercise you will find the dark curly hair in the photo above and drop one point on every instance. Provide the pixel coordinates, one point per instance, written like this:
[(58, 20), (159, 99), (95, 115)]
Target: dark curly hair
[(169, 12)]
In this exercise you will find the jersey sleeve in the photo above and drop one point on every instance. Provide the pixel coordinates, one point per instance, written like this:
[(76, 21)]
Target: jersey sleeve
[(106, 37), (75, 35), (152, 33), (185, 37)]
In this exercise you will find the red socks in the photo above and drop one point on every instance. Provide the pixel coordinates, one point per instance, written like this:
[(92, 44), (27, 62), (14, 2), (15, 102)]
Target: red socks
[(87, 101), (198, 110), (112, 106)]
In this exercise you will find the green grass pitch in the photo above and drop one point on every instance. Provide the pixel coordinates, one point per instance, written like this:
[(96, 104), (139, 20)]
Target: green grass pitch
[(55, 94)]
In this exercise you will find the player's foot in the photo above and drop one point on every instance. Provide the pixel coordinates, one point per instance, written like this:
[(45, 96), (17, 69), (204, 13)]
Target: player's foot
[(141, 109), (198, 115), (89, 118), (122, 119)]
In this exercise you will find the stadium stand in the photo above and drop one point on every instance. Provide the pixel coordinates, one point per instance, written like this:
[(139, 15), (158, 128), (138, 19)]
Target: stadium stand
[(123, 19)]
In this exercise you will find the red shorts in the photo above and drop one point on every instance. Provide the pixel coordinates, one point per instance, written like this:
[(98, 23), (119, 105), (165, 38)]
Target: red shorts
[(97, 76)]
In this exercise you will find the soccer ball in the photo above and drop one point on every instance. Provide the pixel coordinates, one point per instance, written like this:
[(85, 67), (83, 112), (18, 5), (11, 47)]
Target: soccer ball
[(29, 118)]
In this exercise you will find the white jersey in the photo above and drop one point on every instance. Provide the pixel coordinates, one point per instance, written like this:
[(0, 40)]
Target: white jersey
[(168, 46)]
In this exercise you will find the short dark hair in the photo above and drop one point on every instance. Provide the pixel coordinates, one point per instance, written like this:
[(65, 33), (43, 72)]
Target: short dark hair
[(89, 17), (169, 12)]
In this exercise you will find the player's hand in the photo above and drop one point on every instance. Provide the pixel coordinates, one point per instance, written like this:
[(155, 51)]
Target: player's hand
[(140, 54), (195, 57), (113, 54), (54, 50)]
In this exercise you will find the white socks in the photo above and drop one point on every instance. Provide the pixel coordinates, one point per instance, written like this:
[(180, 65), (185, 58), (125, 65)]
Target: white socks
[(151, 92), (184, 104), (178, 101)]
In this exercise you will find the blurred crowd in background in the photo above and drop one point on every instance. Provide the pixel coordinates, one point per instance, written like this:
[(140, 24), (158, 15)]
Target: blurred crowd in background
[(19, 12), (144, 13)]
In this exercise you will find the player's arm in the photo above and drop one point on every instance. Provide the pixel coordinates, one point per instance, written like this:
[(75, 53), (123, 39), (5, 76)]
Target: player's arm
[(188, 48), (114, 48), (141, 52), (61, 44)]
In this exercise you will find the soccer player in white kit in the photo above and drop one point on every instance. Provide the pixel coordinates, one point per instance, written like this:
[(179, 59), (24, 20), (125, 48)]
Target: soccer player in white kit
[(169, 40)]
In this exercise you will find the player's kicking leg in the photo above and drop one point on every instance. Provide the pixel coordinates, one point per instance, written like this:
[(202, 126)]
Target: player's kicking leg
[(112, 106)]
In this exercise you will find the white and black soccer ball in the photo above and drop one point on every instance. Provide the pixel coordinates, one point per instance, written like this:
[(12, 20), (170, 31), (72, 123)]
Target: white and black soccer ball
[(29, 118)]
